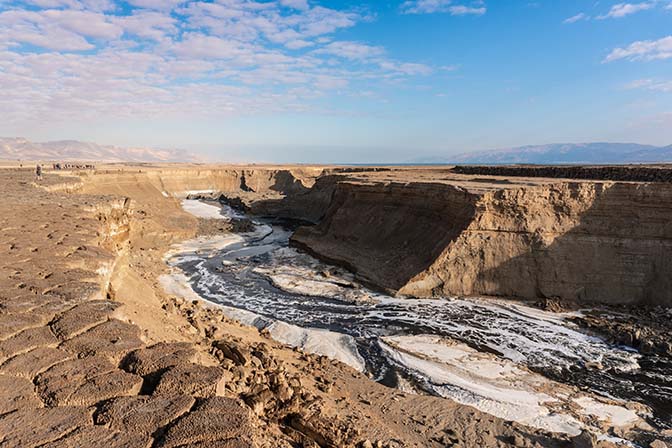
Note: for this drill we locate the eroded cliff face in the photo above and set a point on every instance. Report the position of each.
(589, 242)
(114, 216)
(308, 204)
(451, 235)
(179, 182)
(387, 233)
(583, 241)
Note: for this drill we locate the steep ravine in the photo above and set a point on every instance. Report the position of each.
(455, 235)
(414, 225)
(149, 221)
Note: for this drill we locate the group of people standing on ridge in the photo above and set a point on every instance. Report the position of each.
(61, 166)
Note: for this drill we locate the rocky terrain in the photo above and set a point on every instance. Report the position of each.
(93, 352)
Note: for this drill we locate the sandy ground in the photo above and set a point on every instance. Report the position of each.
(93, 351)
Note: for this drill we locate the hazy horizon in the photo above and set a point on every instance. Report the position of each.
(290, 80)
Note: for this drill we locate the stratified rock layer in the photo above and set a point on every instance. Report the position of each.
(581, 241)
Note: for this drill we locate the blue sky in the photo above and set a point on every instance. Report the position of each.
(336, 81)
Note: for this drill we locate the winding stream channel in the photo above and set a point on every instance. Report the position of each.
(503, 357)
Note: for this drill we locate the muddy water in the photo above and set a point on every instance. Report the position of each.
(402, 342)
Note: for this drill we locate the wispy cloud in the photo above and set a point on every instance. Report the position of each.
(351, 50)
(644, 50)
(577, 18)
(651, 84)
(443, 6)
(621, 10)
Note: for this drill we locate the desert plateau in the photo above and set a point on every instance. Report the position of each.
(284, 306)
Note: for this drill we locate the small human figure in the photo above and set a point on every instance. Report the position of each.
(38, 172)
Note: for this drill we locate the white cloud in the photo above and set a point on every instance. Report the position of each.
(89, 24)
(442, 6)
(247, 20)
(163, 5)
(89, 59)
(296, 4)
(153, 25)
(90, 5)
(56, 28)
(461, 10)
(625, 9)
(621, 10)
(645, 50)
(406, 68)
(318, 21)
(351, 50)
(298, 44)
(577, 18)
(650, 84)
(201, 46)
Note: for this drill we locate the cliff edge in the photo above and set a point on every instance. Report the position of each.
(471, 235)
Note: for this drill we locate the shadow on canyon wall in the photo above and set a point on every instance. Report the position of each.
(388, 233)
(288, 184)
(299, 203)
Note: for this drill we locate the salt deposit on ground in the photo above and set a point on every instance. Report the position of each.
(616, 415)
(334, 345)
(500, 387)
(203, 245)
(177, 284)
(321, 342)
(202, 210)
(305, 281)
(187, 193)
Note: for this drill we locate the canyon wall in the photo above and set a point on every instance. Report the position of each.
(178, 182)
(583, 241)
(308, 204)
(446, 234)
(387, 233)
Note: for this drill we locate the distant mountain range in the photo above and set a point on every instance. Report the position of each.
(17, 148)
(563, 153)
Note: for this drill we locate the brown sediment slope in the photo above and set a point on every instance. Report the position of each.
(585, 241)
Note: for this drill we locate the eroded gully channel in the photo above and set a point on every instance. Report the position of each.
(505, 358)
